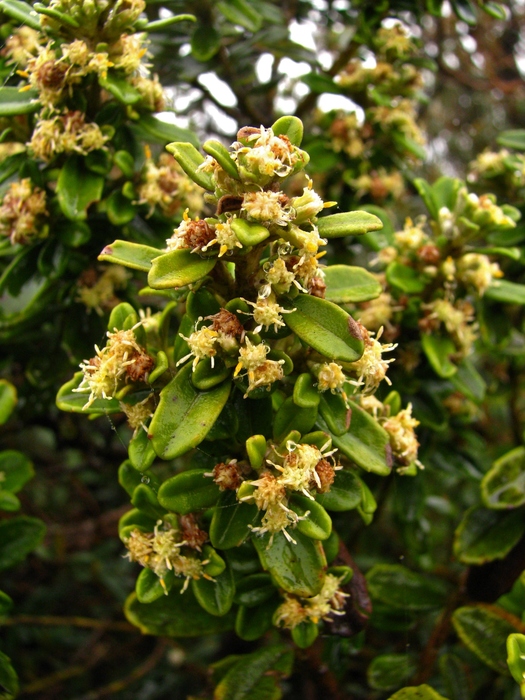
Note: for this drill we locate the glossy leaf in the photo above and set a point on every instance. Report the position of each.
(252, 623)
(291, 127)
(13, 102)
(249, 234)
(231, 520)
(242, 13)
(405, 278)
(516, 658)
(485, 534)
(148, 586)
(325, 327)
(178, 268)
(347, 284)
(190, 159)
(8, 678)
(389, 671)
(513, 138)
(221, 154)
(175, 615)
(344, 493)
(420, 692)
(8, 399)
(352, 223)
(507, 292)
(255, 676)
(253, 590)
(184, 415)
(503, 486)
(297, 568)
(335, 413)
(18, 537)
(216, 597)
(70, 400)
(120, 87)
(292, 417)
(399, 587)
(16, 470)
(162, 131)
(438, 350)
(316, 524)
(484, 630)
(78, 188)
(366, 443)
(188, 491)
(205, 42)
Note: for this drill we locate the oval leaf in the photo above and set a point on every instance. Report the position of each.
(346, 283)
(188, 491)
(78, 188)
(352, 223)
(485, 534)
(178, 268)
(184, 415)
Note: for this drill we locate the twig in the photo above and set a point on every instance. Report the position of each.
(116, 686)
(73, 621)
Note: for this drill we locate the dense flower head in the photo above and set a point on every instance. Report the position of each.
(160, 551)
(68, 133)
(97, 292)
(328, 602)
(262, 156)
(23, 212)
(371, 368)
(165, 185)
(119, 361)
(403, 439)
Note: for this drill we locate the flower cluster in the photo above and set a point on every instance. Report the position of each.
(160, 551)
(97, 292)
(67, 133)
(328, 602)
(303, 468)
(120, 361)
(23, 212)
(166, 186)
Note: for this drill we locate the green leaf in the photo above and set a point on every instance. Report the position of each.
(8, 501)
(455, 677)
(205, 42)
(325, 327)
(319, 83)
(352, 223)
(513, 138)
(145, 499)
(344, 494)
(335, 412)
(78, 188)
(119, 209)
(159, 24)
(465, 10)
(503, 486)
(253, 590)
(216, 597)
(242, 13)
(18, 537)
(254, 676)
(189, 491)
(133, 255)
(252, 623)
(128, 477)
(484, 630)
(149, 588)
(494, 9)
(21, 11)
(205, 376)
(120, 87)
(445, 191)
(15, 470)
(135, 520)
(221, 154)
(508, 292)
(70, 400)
(178, 268)
(184, 415)
(485, 534)
(249, 234)
(366, 442)
(13, 102)
(296, 568)
(427, 195)
(8, 399)
(291, 127)
(292, 417)
(348, 284)
(6, 603)
(118, 318)
(305, 394)
(389, 671)
(153, 129)
(469, 381)
(438, 350)
(316, 524)
(231, 520)
(420, 692)
(516, 658)
(8, 677)
(189, 159)
(175, 615)
(398, 587)
(405, 278)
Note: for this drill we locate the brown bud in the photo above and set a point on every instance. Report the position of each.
(227, 476)
(140, 367)
(52, 75)
(429, 254)
(198, 234)
(191, 532)
(226, 322)
(317, 287)
(229, 202)
(247, 132)
(326, 474)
